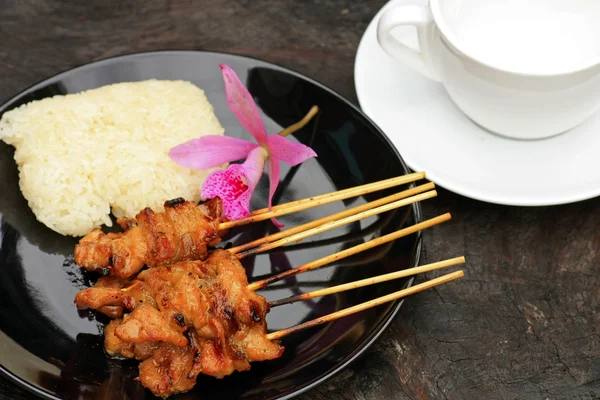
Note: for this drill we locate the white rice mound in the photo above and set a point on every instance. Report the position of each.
(82, 154)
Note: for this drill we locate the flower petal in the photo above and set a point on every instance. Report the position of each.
(229, 185)
(242, 105)
(273, 183)
(236, 184)
(287, 151)
(255, 165)
(210, 151)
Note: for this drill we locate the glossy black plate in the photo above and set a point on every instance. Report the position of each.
(55, 351)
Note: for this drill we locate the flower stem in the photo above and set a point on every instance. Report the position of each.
(300, 124)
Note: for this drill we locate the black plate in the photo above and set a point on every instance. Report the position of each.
(55, 351)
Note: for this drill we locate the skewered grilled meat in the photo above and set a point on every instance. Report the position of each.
(187, 318)
(111, 292)
(112, 295)
(109, 286)
(182, 232)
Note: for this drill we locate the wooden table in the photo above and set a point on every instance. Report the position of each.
(522, 324)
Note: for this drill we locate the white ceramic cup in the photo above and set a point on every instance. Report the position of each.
(525, 69)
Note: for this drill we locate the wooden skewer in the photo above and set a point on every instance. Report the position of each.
(296, 285)
(299, 205)
(318, 222)
(352, 192)
(366, 305)
(351, 251)
(337, 223)
(355, 235)
(369, 281)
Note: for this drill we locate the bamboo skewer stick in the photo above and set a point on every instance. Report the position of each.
(318, 222)
(366, 305)
(353, 235)
(296, 285)
(315, 201)
(333, 223)
(351, 251)
(351, 192)
(369, 281)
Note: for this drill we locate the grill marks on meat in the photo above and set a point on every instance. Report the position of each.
(202, 319)
(173, 369)
(170, 370)
(182, 232)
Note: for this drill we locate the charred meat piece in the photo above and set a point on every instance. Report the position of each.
(170, 370)
(111, 295)
(147, 324)
(212, 298)
(182, 232)
(173, 369)
(116, 347)
(114, 310)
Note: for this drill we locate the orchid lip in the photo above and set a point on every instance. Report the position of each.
(235, 185)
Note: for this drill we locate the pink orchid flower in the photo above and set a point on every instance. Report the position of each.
(236, 184)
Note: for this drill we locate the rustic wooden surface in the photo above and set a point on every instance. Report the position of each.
(522, 324)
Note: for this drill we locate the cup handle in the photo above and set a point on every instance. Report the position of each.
(420, 18)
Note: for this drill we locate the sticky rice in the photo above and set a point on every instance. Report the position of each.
(82, 155)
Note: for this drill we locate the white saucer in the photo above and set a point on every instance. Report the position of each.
(432, 135)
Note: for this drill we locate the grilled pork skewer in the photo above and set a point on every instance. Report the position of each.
(184, 231)
(201, 315)
(187, 318)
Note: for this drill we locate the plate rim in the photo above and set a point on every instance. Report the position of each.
(457, 188)
(416, 207)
